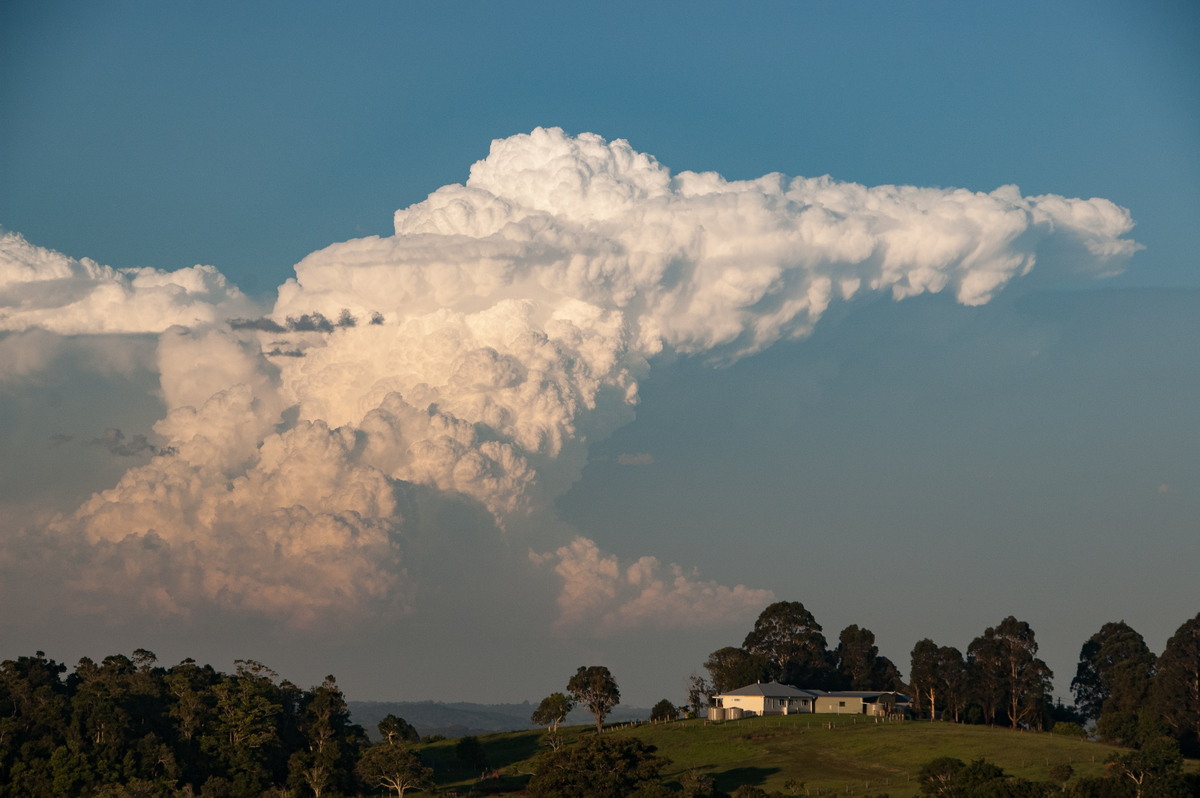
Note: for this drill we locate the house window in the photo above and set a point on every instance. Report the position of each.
(841, 703)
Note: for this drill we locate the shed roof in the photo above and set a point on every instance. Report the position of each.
(868, 694)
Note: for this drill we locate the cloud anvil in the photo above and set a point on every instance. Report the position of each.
(475, 355)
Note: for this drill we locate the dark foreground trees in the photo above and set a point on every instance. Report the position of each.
(597, 767)
(949, 777)
(126, 724)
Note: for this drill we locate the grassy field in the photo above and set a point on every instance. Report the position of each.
(823, 753)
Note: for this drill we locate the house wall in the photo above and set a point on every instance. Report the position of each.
(839, 705)
(761, 705)
(750, 704)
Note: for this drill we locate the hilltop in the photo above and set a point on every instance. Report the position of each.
(797, 754)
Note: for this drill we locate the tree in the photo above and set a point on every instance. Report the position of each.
(664, 710)
(952, 673)
(1155, 769)
(698, 693)
(593, 687)
(855, 655)
(1176, 691)
(1115, 672)
(1027, 677)
(597, 767)
(732, 667)
(885, 675)
(952, 778)
(470, 752)
(395, 729)
(1061, 773)
(790, 638)
(1006, 673)
(939, 678)
(926, 681)
(985, 673)
(331, 743)
(248, 709)
(393, 767)
(552, 711)
(936, 776)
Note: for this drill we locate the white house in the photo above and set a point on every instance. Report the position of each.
(771, 698)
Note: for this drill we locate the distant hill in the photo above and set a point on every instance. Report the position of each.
(459, 719)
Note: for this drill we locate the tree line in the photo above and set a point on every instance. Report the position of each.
(127, 728)
(1125, 689)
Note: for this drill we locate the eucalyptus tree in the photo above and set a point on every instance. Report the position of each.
(790, 639)
(594, 688)
(924, 676)
(395, 729)
(1028, 678)
(732, 667)
(1007, 674)
(394, 767)
(1113, 680)
(550, 713)
(1176, 692)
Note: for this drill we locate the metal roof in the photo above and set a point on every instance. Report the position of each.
(774, 690)
(868, 694)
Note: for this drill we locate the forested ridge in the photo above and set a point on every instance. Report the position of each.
(127, 726)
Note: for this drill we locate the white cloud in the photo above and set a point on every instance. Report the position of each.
(518, 313)
(43, 289)
(602, 594)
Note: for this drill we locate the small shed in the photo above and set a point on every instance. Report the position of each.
(862, 702)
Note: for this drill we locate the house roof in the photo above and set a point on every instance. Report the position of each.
(868, 694)
(774, 690)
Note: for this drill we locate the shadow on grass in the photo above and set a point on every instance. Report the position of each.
(501, 750)
(730, 780)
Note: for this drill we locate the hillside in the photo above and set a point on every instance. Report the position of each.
(801, 754)
(458, 719)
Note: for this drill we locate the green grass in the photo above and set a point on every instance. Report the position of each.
(855, 756)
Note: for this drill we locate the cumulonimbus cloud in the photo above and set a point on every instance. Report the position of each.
(511, 320)
(46, 290)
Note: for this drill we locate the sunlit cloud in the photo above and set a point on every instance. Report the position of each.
(477, 353)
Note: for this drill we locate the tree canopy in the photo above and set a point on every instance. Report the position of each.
(790, 639)
(593, 687)
(597, 767)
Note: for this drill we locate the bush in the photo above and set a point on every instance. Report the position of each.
(1069, 728)
(597, 767)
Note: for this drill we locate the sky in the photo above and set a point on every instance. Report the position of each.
(449, 347)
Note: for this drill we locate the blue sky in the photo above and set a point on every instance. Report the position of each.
(1035, 455)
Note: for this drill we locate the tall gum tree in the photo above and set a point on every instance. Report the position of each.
(1115, 672)
(790, 638)
(593, 687)
(1177, 686)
